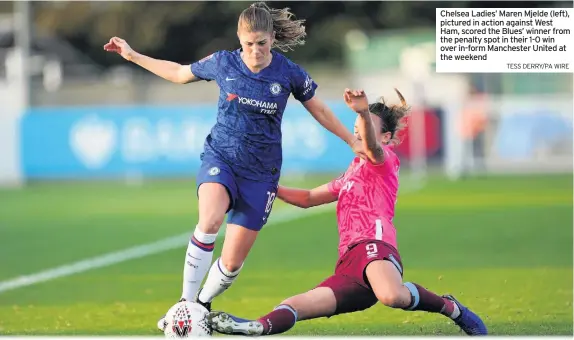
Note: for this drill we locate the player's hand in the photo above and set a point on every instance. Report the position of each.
(357, 101)
(121, 47)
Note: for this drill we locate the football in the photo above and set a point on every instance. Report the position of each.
(186, 319)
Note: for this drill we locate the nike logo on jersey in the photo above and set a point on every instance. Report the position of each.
(229, 79)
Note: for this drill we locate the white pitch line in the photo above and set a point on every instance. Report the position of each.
(136, 252)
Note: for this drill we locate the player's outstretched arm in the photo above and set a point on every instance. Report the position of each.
(174, 72)
(358, 102)
(370, 144)
(304, 198)
(325, 116)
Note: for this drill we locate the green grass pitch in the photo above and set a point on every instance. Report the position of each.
(502, 245)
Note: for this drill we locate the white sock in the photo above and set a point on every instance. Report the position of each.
(218, 280)
(456, 312)
(197, 260)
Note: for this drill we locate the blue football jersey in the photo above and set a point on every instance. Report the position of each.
(247, 134)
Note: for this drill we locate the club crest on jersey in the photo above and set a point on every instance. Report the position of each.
(275, 88)
(214, 171)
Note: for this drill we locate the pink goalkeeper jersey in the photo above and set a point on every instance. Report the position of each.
(367, 194)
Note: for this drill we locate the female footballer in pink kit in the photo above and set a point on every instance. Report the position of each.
(369, 268)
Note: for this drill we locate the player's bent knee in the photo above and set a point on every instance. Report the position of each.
(211, 224)
(232, 265)
(290, 301)
(213, 205)
(295, 303)
(390, 298)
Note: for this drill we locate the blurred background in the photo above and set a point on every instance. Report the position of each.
(98, 115)
(94, 148)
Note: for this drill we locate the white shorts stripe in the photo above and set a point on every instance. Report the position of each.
(379, 230)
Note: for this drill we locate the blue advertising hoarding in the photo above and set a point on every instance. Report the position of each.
(164, 141)
(107, 142)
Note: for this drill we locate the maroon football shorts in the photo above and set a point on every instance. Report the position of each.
(350, 284)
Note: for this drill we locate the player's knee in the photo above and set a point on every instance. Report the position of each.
(231, 264)
(213, 205)
(211, 223)
(292, 301)
(390, 298)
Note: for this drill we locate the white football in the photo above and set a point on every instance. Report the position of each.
(186, 319)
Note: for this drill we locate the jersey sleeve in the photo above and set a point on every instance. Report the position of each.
(303, 85)
(335, 185)
(391, 163)
(207, 67)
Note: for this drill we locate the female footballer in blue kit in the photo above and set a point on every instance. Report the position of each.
(242, 154)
